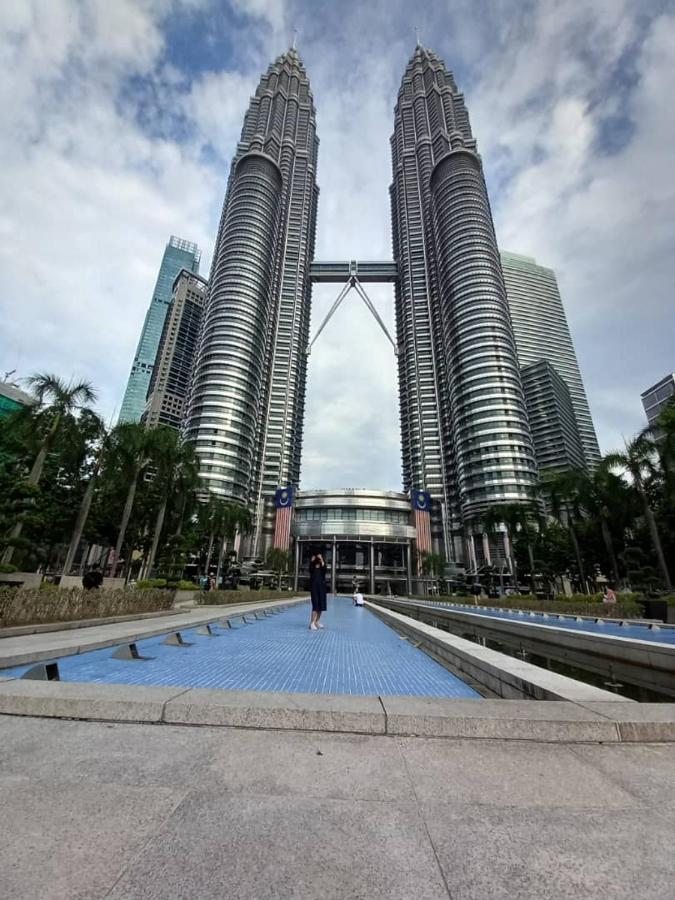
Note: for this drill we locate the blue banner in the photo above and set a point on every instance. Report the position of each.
(283, 497)
(421, 501)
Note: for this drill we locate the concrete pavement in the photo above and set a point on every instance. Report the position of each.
(95, 810)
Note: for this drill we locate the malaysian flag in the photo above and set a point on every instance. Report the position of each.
(421, 503)
(283, 501)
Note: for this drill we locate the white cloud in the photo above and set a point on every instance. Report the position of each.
(96, 175)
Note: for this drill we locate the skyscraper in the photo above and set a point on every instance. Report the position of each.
(248, 393)
(172, 370)
(656, 398)
(555, 433)
(178, 254)
(465, 432)
(541, 332)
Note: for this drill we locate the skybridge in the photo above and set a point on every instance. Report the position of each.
(353, 274)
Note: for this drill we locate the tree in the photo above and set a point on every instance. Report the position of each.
(515, 519)
(56, 401)
(85, 505)
(565, 492)
(638, 460)
(279, 561)
(129, 455)
(233, 518)
(175, 475)
(431, 564)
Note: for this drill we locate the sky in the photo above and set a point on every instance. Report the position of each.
(120, 119)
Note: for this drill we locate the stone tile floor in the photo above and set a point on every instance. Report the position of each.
(355, 653)
(122, 811)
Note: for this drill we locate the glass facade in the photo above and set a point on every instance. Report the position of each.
(542, 333)
(178, 254)
(248, 392)
(461, 394)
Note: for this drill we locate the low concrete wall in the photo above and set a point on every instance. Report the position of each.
(504, 676)
(25, 579)
(649, 664)
(75, 581)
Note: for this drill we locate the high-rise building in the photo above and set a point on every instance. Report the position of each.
(171, 373)
(656, 398)
(541, 331)
(555, 433)
(248, 392)
(465, 433)
(178, 254)
(12, 398)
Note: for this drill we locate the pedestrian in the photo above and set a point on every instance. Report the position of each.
(93, 578)
(358, 598)
(608, 595)
(317, 587)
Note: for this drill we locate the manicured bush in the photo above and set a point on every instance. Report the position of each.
(7, 568)
(147, 584)
(33, 607)
(218, 598)
(626, 607)
(186, 586)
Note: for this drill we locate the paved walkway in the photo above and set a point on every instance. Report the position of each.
(355, 653)
(94, 810)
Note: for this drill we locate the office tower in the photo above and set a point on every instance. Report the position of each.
(178, 254)
(555, 433)
(12, 398)
(541, 332)
(171, 373)
(656, 398)
(248, 393)
(465, 432)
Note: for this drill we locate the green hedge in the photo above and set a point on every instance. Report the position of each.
(34, 607)
(626, 607)
(218, 598)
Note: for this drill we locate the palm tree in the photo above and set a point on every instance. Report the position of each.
(638, 461)
(431, 564)
(175, 467)
(85, 505)
(565, 490)
(279, 561)
(514, 518)
(130, 455)
(233, 518)
(56, 400)
(600, 491)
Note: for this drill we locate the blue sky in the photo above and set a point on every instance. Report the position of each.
(120, 118)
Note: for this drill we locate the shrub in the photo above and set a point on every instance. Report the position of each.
(33, 607)
(48, 586)
(7, 568)
(626, 607)
(186, 586)
(148, 584)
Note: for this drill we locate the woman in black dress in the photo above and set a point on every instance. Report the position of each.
(317, 587)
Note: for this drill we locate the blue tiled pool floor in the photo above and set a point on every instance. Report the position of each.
(355, 653)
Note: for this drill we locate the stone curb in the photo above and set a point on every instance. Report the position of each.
(73, 646)
(506, 676)
(547, 721)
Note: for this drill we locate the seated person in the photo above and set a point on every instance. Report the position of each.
(357, 599)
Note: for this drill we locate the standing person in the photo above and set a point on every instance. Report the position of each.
(317, 587)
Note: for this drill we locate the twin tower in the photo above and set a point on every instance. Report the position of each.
(464, 428)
